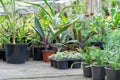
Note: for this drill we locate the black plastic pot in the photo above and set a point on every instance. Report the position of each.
(98, 73)
(16, 53)
(28, 53)
(87, 70)
(98, 44)
(74, 63)
(62, 64)
(112, 74)
(37, 53)
(53, 63)
(2, 54)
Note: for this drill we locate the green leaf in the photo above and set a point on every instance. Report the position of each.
(73, 41)
(51, 9)
(2, 19)
(38, 5)
(65, 27)
(39, 28)
(62, 11)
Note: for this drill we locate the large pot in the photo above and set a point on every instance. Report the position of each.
(16, 53)
(112, 74)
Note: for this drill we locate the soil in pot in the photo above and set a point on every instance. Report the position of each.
(112, 74)
(16, 53)
(37, 53)
(98, 73)
(46, 54)
(87, 70)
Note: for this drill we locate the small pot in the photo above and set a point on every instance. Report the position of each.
(62, 64)
(46, 54)
(112, 74)
(98, 73)
(37, 53)
(53, 63)
(87, 70)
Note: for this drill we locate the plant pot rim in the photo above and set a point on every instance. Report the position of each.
(108, 68)
(86, 63)
(60, 59)
(16, 44)
(98, 66)
(48, 50)
(38, 46)
(2, 49)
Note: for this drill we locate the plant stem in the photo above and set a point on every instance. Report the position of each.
(13, 21)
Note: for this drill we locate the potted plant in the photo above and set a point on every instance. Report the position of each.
(113, 68)
(24, 31)
(87, 61)
(45, 40)
(15, 53)
(98, 66)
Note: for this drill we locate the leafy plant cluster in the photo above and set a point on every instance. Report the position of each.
(66, 55)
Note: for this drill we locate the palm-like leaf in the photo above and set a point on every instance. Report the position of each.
(52, 10)
(39, 28)
(38, 5)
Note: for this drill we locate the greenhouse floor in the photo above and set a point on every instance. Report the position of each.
(37, 70)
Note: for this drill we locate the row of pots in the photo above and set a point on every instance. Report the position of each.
(100, 73)
(19, 53)
(39, 53)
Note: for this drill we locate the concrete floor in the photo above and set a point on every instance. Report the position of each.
(37, 70)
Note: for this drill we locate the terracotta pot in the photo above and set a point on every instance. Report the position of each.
(46, 54)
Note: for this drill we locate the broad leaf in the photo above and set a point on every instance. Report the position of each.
(39, 28)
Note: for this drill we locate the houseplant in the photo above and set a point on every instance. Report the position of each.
(113, 69)
(87, 61)
(98, 67)
(15, 53)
